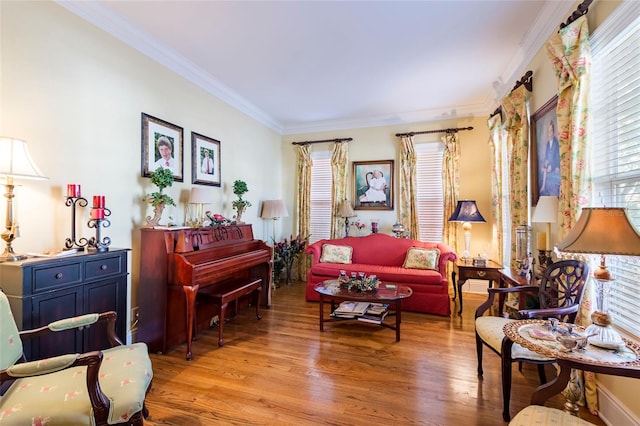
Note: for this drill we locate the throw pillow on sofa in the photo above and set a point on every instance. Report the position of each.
(336, 254)
(422, 258)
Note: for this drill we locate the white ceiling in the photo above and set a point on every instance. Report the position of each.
(306, 66)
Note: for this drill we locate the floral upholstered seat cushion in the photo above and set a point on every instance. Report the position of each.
(535, 415)
(61, 398)
(490, 331)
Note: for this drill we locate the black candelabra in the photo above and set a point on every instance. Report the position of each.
(71, 242)
(98, 221)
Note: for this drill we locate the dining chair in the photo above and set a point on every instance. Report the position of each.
(559, 294)
(95, 388)
(538, 414)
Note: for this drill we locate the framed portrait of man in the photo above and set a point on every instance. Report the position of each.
(162, 146)
(545, 152)
(373, 185)
(205, 160)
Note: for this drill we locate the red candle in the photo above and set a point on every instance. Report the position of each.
(98, 201)
(97, 213)
(73, 190)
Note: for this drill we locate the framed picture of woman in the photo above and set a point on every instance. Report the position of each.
(373, 185)
(545, 152)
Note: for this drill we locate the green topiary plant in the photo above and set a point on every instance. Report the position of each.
(240, 205)
(162, 178)
(240, 188)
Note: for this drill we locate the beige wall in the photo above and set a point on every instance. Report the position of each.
(76, 95)
(380, 143)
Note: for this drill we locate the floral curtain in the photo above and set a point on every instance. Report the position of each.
(570, 53)
(304, 204)
(496, 132)
(515, 107)
(450, 187)
(407, 209)
(339, 167)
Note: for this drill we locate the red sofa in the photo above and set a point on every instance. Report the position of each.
(384, 256)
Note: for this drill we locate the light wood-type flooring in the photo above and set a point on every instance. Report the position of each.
(281, 370)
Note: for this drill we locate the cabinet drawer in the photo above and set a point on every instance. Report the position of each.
(104, 267)
(45, 279)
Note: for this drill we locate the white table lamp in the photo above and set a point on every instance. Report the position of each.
(466, 212)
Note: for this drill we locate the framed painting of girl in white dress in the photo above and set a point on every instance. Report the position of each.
(373, 185)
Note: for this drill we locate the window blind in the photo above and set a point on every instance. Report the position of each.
(430, 198)
(320, 209)
(615, 156)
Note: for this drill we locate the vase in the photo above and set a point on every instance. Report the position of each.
(288, 268)
(238, 216)
(152, 222)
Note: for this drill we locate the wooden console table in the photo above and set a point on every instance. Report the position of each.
(466, 271)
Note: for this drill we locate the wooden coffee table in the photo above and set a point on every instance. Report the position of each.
(389, 294)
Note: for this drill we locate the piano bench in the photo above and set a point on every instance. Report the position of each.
(230, 290)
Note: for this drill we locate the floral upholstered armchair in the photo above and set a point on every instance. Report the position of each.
(95, 388)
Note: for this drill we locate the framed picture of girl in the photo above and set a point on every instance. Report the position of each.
(373, 185)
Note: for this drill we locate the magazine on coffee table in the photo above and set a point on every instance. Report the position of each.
(375, 313)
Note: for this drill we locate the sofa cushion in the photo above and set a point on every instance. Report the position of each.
(336, 254)
(422, 258)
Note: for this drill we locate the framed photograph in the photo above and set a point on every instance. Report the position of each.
(545, 152)
(205, 160)
(373, 185)
(162, 146)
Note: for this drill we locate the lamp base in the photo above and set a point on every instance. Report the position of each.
(8, 255)
(605, 336)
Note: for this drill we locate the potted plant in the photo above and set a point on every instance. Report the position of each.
(162, 178)
(240, 205)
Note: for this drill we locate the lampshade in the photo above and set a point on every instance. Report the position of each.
(546, 210)
(466, 211)
(198, 195)
(602, 230)
(15, 160)
(346, 210)
(273, 209)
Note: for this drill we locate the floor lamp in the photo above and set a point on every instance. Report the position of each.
(15, 162)
(273, 210)
(466, 212)
(605, 230)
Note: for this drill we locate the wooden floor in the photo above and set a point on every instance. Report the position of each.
(283, 370)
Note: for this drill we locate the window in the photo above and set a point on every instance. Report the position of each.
(616, 144)
(321, 178)
(430, 198)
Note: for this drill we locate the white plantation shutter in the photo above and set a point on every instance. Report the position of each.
(430, 198)
(616, 148)
(321, 178)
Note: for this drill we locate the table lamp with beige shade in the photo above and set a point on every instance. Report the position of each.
(602, 230)
(15, 163)
(546, 212)
(346, 211)
(198, 197)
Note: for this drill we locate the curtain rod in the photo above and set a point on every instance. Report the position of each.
(527, 80)
(457, 129)
(322, 141)
(582, 9)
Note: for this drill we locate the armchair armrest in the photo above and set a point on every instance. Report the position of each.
(79, 322)
(502, 290)
(548, 312)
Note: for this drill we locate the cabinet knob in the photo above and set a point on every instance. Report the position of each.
(103, 267)
(59, 276)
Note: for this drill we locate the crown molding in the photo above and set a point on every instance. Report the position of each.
(103, 18)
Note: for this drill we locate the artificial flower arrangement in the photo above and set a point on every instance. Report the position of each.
(216, 219)
(359, 226)
(360, 283)
(287, 251)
